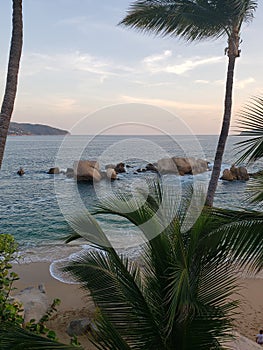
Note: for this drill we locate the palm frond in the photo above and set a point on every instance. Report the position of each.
(116, 288)
(254, 190)
(190, 20)
(250, 124)
(16, 338)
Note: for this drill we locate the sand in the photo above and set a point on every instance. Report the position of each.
(75, 303)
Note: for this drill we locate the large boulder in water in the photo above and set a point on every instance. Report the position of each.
(111, 174)
(235, 173)
(86, 170)
(182, 166)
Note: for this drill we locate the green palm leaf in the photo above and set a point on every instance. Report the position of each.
(190, 20)
(251, 125)
(16, 338)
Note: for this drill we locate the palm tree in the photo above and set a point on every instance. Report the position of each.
(180, 296)
(199, 20)
(12, 75)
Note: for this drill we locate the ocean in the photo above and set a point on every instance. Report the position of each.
(33, 207)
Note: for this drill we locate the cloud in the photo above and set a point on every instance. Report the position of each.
(157, 58)
(34, 63)
(169, 103)
(241, 84)
(200, 81)
(164, 63)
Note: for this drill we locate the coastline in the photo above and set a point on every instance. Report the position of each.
(76, 304)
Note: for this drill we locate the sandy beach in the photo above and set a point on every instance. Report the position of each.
(75, 303)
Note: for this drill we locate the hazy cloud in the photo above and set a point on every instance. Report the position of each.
(164, 63)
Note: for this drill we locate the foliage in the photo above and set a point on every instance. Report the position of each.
(12, 335)
(183, 294)
(250, 124)
(17, 338)
(10, 310)
(40, 326)
(190, 20)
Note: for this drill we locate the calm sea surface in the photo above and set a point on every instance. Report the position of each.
(29, 208)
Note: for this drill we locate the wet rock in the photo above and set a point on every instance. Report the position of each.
(21, 172)
(151, 167)
(120, 168)
(70, 172)
(86, 170)
(111, 174)
(235, 174)
(53, 171)
(182, 166)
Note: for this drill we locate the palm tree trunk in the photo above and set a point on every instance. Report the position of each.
(12, 74)
(224, 132)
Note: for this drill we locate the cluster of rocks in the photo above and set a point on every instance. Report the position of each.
(235, 173)
(88, 170)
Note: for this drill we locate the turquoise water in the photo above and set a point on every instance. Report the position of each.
(29, 208)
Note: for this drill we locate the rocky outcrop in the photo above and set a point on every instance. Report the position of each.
(54, 171)
(34, 301)
(151, 167)
(235, 173)
(182, 166)
(111, 174)
(21, 172)
(120, 168)
(70, 172)
(86, 170)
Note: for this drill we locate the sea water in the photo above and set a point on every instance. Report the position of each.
(30, 205)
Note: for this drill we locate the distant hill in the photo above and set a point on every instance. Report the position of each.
(20, 129)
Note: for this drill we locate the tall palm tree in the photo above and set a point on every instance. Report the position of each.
(199, 20)
(12, 75)
(182, 296)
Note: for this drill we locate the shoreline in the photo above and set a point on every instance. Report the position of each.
(76, 303)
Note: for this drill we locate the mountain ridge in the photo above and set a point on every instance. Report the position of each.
(20, 129)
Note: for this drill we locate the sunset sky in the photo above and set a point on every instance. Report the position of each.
(77, 61)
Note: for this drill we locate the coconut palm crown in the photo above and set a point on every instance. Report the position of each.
(194, 20)
(180, 295)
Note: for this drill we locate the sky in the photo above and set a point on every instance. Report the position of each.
(82, 72)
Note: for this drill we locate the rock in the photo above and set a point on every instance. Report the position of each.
(111, 174)
(35, 302)
(242, 174)
(228, 175)
(120, 168)
(53, 171)
(79, 327)
(151, 167)
(70, 172)
(21, 172)
(235, 173)
(182, 166)
(85, 170)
